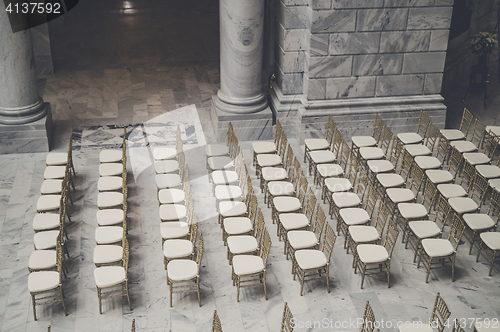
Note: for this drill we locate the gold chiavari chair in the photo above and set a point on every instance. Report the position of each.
(287, 320)
(50, 221)
(366, 141)
(115, 167)
(343, 200)
(336, 185)
(229, 209)
(263, 147)
(112, 183)
(324, 171)
(389, 180)
(246, 244)
(457, 327)
(52, 202)
(429, 162)
(386, 166)
(313, 264)
(368, 319)
(108, 255)
(219, 150)
(114, 155)
(113, 217)
(180, 248)
(172, 180)
(327, 156)
(183, 275)
(439, 318)
(232, 192)
(62, 158)
(430, 142)
(111, 199)
(47, 260)
(45, 287)
(250, 270)
(461, 133)
(449, 190)
(477, 223)
(464, 146)
(272, 160)
(174, 195)
(226, 176)
(376, 153)
(396, 196)
(289, 204)
(170, 166)
(297, 221)
(48, 240)
(376, 258)
(56, 186)
(133, 325)
(485, 157)
(425, 229)
(317, 144)
(489, 247)
(471, 204)
(110, 234)
(276, 173)
(283, 188)
(216, 325)
(243, 225)
(176, 212)
(439, 251)
(215, 163)
(424, 121)
(442, 176)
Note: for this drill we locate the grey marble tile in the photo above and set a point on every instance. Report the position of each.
(354, 43)
(350, 87)
(382, 19)
(330, 66)
(429, 18)
(383, 64)
(324, 21)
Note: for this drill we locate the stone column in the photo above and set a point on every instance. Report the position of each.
(20, 103)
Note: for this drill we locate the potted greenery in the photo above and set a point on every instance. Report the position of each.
(482, 44)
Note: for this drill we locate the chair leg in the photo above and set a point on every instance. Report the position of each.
(328, 278)
(34, 307)
(128, 297)
(492, 262)
(170, 294)
(62, 300)
(198, 290)
(237, 288)
(99, 296)
(265, 288)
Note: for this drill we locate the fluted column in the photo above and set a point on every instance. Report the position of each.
(241, 54)
(20, 102)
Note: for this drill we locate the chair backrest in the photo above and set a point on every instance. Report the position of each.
(455, 162)
(302, 190)
(396, 149)
(378, 127)
(382, 217)
(432, 136)
(319, 221)
(494, 207)
(443, 147)
(468, 174)
(249, 188)
(243, 176)
(252, 211)
(234, 148)
(430, 191)
(230, 132)
(266, 247)
(406, 164)
(466, 122)
(277, 132)
(287, 320)
(479, 188)
(287, 163)
(199, 252)
(282, 146)
(391, 235)
(491, 145)
(216, 326)
(362, 184)
(330, 130)
(424, 121)
(328, 241)
(194, 230)
(352, 170)
(456, 231)
(125, 258)
(442, 211)
(310, 204)
(478, 133)
(296, 170)
(345, 152)
(440, 313)
(368, 319)
(417, 177)
(337, 143)
(457, 327)
(260, 226)
(386, 139)
(371, 199)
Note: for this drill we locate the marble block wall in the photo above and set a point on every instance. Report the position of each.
(41, 49)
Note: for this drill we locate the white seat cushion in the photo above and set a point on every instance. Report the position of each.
(363, 234)
(329, 170)
(488, 171)
(286, 204)
(56, 159)
(495, 183)
(108, 234)
(182, 269)
(427, 162)
(109, 217)
(237, 225)
(263, 147)
(322, 157)
(369, 153)
(172, 211)
(390, 180)
(372, 253)
(224, 192)
(109, 199)
(109, 183)
(380, 166)
(338, 184)
(174, 230)
(464, 146)
(110, 169)
(291, 221)
(398, 195)
(449, 190)
(164, 153)
(410, 138)
(476, 158)
(438, 176)
(310, 259)
(43, 281)
(247, 264)
(418, 150)
(45, 240)
(302, 239)
(48, 202)
(361, 141)
(242, 244)
(491, 239)
(463, 204)
(54, 172)
(424, 229)
(266, 160)
(110, 156)
(345, 200)
(216, 150)
(219, 163)
(495, 130)
(478, 221)
(164, 181)
(171, 196)
(51, 187)
(166, 166)
(107, 276)
(437, 247)
(43, 221)
(452, 134)
(224, 177)
(105, 254)
(412, 210)
(232, 208)
(274, 173)
(280, 188)
(316, 144)
(354, 216)
(177, 248)
(42, 260)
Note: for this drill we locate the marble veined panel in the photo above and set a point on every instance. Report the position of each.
(399, 85)
(320, 4)
(344, 4)
(405, 41)
(439, 40)
(318, 44)
(350, 87)
(354, 43)
(382, 19)
(433, 83)
(429, 18)
(377, 64)
(408, 3)
(330, 66)
(315, 89)
(333, 21)
(429, 62)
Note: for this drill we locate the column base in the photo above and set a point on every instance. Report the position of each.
(247, 127)
(27, 138)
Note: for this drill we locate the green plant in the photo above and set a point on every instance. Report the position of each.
(483, 43)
